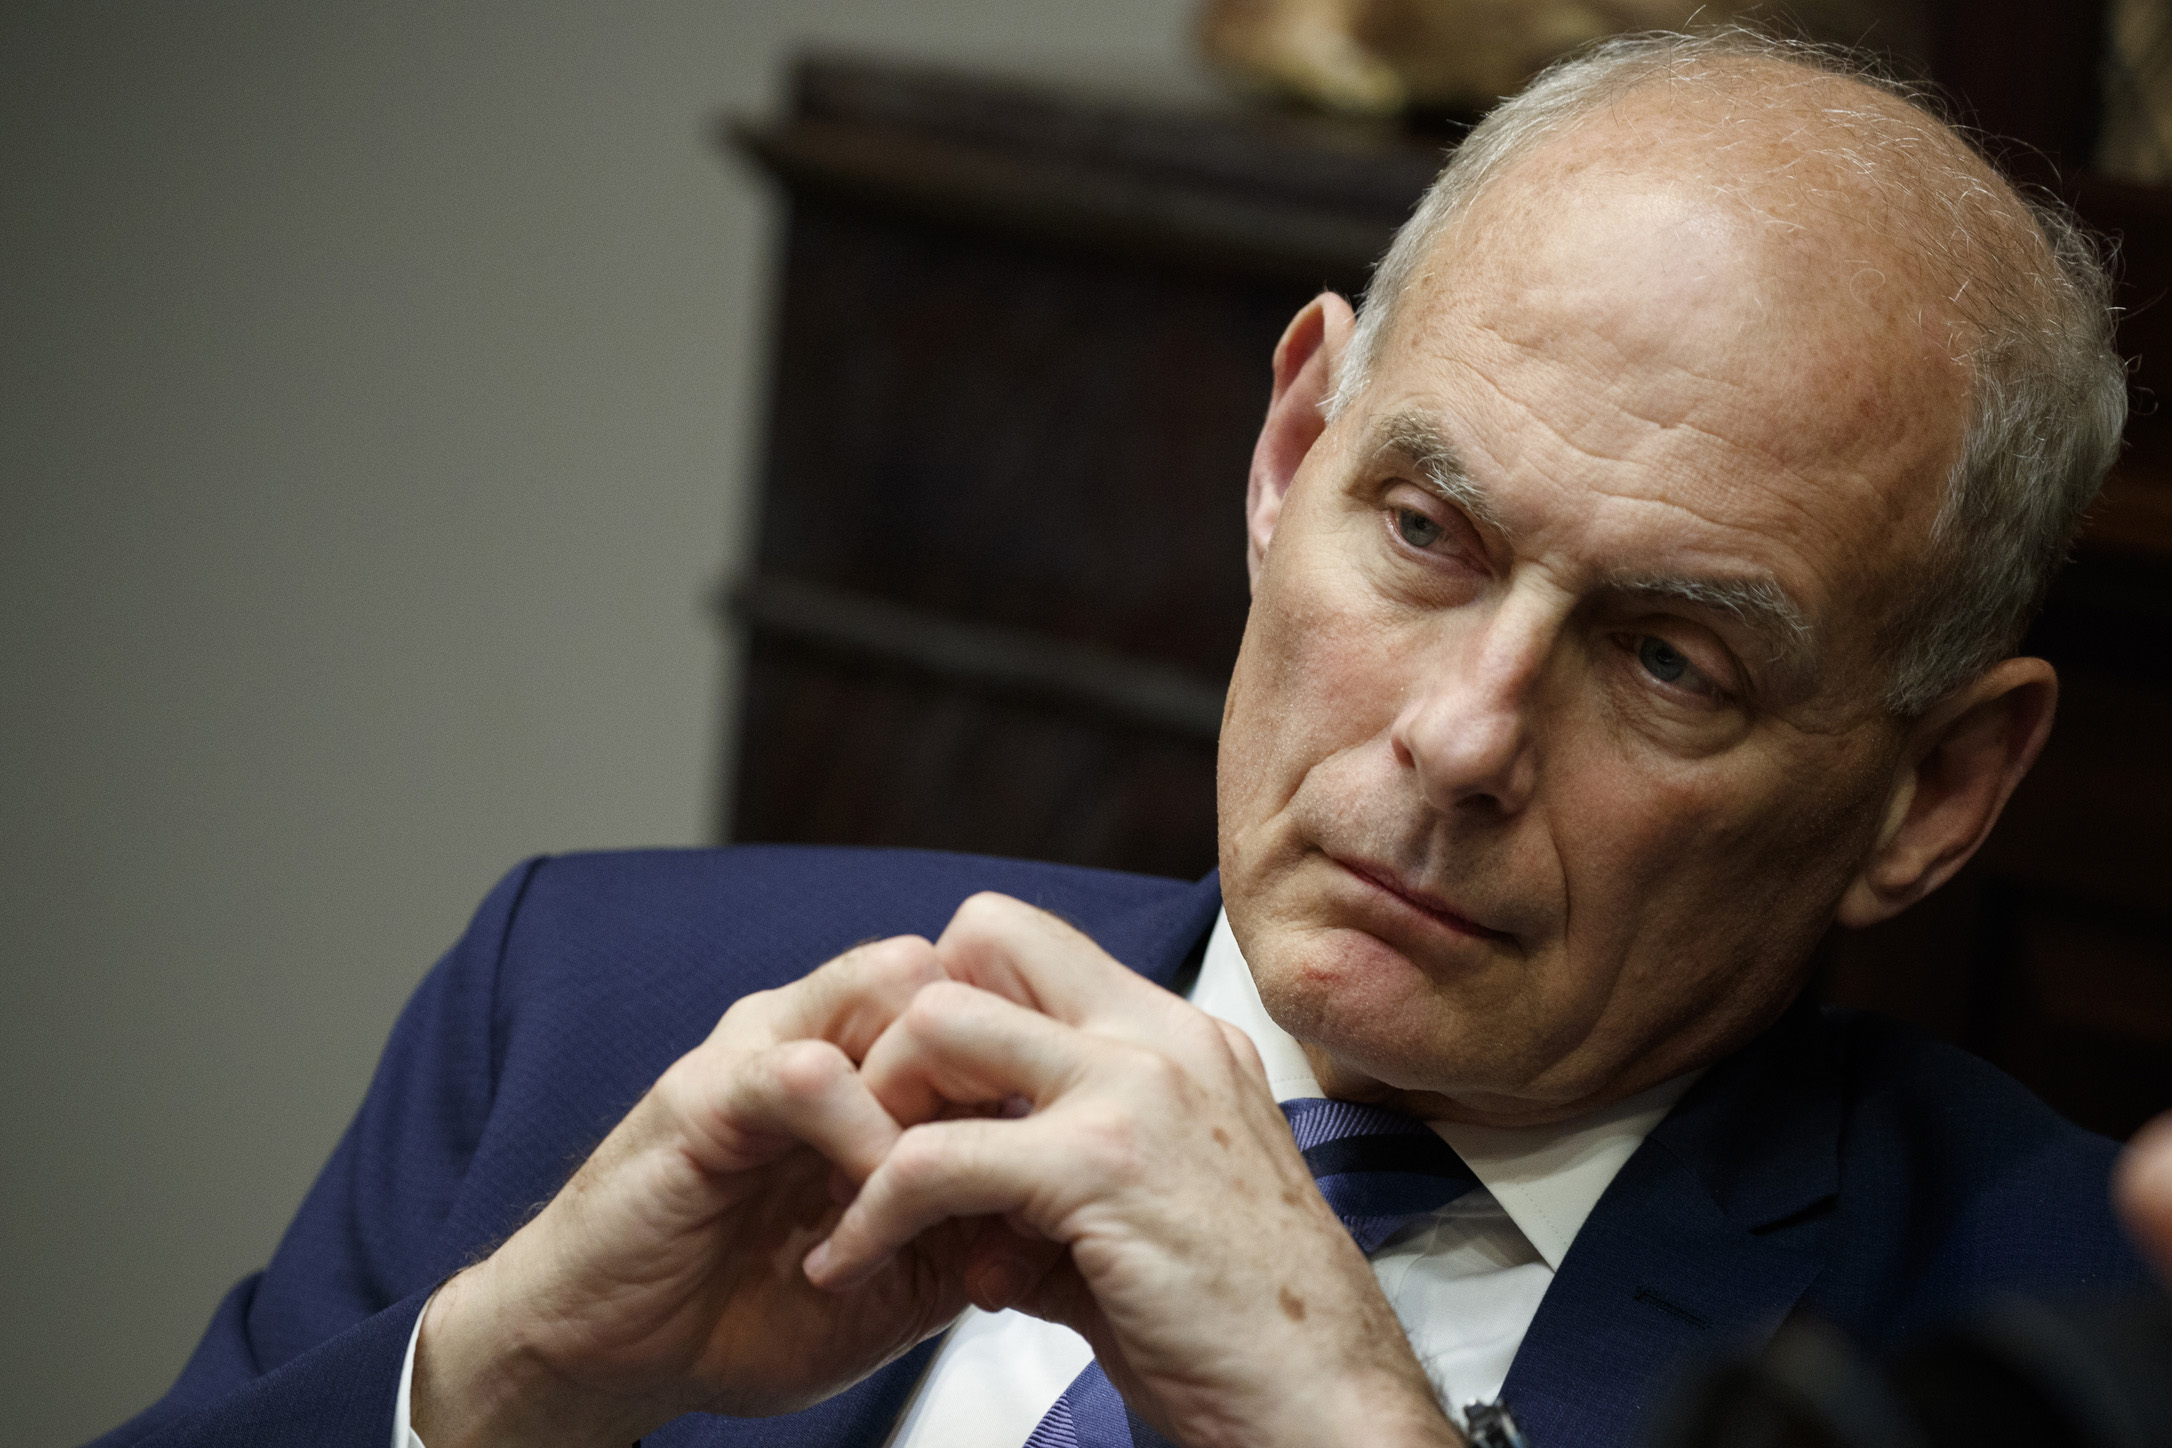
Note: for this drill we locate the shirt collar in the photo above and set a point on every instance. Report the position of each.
(1547, 1178)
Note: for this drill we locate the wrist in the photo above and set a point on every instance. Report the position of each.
(480, 1381)
(1381, 1396)
(1396, 1411)
(1329, 1404)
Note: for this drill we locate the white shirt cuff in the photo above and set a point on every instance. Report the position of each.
(403, 1436)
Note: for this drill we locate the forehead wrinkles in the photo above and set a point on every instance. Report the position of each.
(1828, 165)
(1677, 310)
(1633, 326)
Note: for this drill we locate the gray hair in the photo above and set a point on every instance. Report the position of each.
(2032, 315)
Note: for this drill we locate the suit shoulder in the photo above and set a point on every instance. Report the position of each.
(1903, 1081)
(801, 880)
(1972, 1183)
(753, 916)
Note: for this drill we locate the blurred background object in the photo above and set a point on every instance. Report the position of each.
(2084, 1372)
(2136, 144)
(1456, 57)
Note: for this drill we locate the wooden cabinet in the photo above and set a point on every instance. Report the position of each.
(1022, 351)
(1023, 343)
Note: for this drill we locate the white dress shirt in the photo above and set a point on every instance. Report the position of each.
(1465, 1280)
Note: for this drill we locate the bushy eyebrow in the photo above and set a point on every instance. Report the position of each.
(1759, 604)
(1413, 437)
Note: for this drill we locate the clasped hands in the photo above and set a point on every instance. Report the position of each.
(1006, 1117)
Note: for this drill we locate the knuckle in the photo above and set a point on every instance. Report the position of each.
(675, 1092)
(1229, 1047)
(747, 1011)
(692, 1100)
(909, 957)
(1161, 1075)
(860, 951)
(804, 1070)
(938, 1005)
(986, 909)
(1241, 1047)
(995, 913)
(897, 955)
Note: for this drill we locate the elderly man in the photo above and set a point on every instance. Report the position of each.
(1636, 586)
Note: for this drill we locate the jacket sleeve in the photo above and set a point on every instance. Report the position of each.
(309, 1350)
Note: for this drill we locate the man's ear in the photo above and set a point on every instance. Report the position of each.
(1959, 763)
(1306, 360)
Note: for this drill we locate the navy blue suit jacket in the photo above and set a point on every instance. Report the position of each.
(1837, 1164)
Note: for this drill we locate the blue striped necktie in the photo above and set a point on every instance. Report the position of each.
(1377, 1168)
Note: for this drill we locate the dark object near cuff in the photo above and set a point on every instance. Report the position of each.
(1491, 1425)
(2090, 1373)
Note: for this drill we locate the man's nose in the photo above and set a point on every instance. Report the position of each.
(1467, 731)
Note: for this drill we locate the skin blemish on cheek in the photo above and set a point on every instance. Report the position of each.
(1221, 1138)
(1293, 1306)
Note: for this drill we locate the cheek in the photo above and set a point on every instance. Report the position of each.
(1725, 868)
(1315, 678)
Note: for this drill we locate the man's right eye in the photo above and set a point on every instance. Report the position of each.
(1416, 529)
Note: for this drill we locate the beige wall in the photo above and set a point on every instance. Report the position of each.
(376, 389)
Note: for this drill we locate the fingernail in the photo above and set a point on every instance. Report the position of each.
(817, 1262)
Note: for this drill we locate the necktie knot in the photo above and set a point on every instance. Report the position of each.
(1377, 1167)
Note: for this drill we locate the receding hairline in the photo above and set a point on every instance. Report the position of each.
(1798, 135)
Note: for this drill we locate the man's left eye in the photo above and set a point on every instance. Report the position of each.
(1662, 660)
(1416, 529)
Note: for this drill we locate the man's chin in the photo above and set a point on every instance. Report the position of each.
(1440, 1038)
(1367, 1004)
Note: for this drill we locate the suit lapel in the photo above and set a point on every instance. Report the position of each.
(1674, 1263)
(1164, 941)
(1657, 1276)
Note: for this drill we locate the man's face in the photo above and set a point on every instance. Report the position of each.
(1555, 735)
